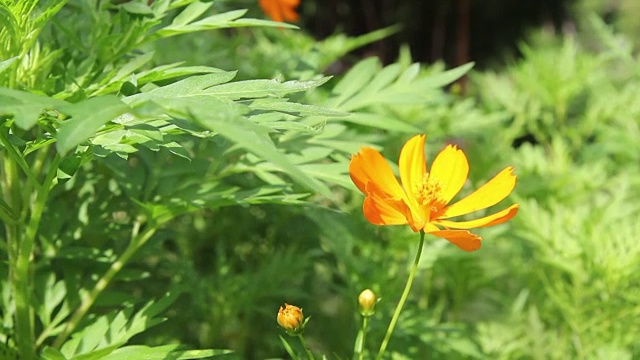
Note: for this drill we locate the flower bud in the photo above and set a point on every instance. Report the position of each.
(367, 301)
(290, 318)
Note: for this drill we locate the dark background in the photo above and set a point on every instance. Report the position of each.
(455, 31)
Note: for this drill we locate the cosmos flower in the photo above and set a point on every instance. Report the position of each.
(290, 318)
(422, 201)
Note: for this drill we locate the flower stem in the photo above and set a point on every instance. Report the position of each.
(306, 348)
(403, 299)
(360, 340)
(138, 239)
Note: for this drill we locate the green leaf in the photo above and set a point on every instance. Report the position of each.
(295, 108)
(25, 107)
(100, 353)
(190, 13)
(354, 80)
(109, 332)
(49, 353)
(53, 293)
(262, 88)
(228, 19)
(136, 7)
(171, 71)
(4, 64)
(174, 352)
(225, 120)
(86, 118)
(381, 122)
(447, 77)
(190, 86)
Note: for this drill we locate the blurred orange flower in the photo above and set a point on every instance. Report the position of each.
(422, 201)
(290, 318)
(280, 10)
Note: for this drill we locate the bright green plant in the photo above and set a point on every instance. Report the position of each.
(101, 152)
(571, 250)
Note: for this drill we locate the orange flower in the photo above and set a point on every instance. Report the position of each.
(280, 10)
(290, 318)
(422, 201)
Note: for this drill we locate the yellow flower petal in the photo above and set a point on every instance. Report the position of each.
(487, 195)
(369, 166)
(460, 238)
(412, 164)
(451, 168)
(493, 219)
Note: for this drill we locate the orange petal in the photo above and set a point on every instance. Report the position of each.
(382, 212)
(412, 164)
(494, 219)
(380, 209)
(487, 195)
(271, 8)
(369, 166)
(460, 238)
(290, 14)
(451, 168)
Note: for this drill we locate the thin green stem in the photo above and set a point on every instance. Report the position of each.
(137, 240)
(403, 299)
(361, 339)
(306, 348)
(16, 156)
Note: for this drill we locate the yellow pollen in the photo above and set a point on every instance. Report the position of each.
(429, 194)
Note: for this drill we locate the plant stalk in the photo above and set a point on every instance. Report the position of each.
(361, 339)
(403, 299)
(137, 240)
(306, 347)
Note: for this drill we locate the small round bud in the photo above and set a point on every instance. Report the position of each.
(290, 318)
(367, 301)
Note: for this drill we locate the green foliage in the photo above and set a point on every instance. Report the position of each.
(132, 169)
(572, 249)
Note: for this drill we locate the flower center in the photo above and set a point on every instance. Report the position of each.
(429, 195)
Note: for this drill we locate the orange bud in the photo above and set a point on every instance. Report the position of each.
(367, 301)
(291, 319)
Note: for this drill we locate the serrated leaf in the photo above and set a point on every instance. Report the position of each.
(255, 139)
(262, 88)
(172, 71)
(194, 85)
(86, 118)
(108, 332)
